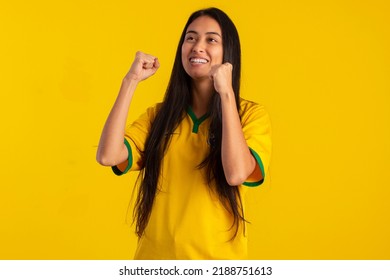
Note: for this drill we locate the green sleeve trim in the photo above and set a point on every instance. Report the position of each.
(116, 170)
(258, 159)
(197, 122)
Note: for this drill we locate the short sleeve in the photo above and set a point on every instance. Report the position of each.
(256, 127)
(135, 138)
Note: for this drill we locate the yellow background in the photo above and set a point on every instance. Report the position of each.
(321, 68)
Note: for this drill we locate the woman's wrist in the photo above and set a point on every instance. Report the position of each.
(129, 85)
(130, 79)
(227, 97)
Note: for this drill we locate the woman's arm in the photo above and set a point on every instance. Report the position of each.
(237, 160)
(112, 150)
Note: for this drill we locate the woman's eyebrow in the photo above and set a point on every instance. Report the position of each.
(208, 33)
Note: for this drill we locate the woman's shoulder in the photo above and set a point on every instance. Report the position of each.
(250, 108)
(152, 110)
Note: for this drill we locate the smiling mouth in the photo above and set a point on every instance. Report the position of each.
(198, 60)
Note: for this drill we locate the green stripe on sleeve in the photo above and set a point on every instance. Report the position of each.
(116, 170)
(260, 163)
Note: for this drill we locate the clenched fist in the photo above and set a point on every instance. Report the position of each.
(221, 75)
(144, 66)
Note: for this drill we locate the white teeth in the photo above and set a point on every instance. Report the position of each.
(198, 60)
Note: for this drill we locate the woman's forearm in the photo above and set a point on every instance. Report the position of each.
(112, 150)
(237, 160)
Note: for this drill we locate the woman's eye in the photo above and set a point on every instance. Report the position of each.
(212, 40)
(190, 38)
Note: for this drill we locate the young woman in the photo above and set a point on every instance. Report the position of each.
(197, 151)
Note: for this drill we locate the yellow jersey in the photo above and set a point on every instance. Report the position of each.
(187, 220)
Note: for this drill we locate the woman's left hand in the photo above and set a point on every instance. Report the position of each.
(221, 75)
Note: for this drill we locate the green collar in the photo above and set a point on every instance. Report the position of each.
(195, 120)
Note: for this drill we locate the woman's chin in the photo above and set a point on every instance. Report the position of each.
(199, 76)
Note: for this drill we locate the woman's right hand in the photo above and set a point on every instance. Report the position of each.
(144, 66)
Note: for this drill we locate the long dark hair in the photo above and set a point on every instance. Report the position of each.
(173, 108)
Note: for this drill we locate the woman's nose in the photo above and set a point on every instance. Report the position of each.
(198, 47)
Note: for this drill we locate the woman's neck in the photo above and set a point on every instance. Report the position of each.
(201, 96)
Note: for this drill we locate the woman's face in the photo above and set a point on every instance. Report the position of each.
(202, 47)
